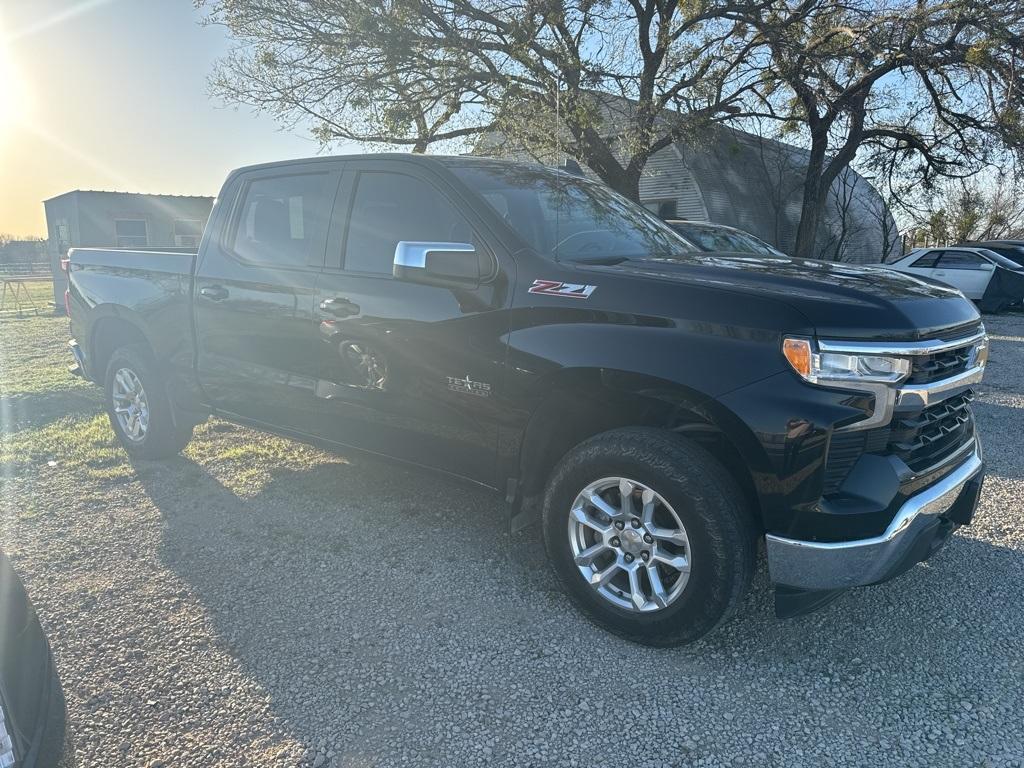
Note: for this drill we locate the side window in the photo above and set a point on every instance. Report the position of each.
(927, 261)
(280, 219)
(131, 233)
(390, 207)
(960, 260)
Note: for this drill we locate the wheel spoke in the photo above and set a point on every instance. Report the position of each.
(588, 555)
(602, 506)
(647, 513)
(125, 383)
(677, 562)
(636, 592)
(657, 588)
(626, 495)
(673, 535)
(579, 514)
(600, 578)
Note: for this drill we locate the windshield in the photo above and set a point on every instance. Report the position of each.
(999, 259)
(1011, 253)
(567, 218)
(722, 239)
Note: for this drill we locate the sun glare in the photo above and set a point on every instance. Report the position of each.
(14, 98)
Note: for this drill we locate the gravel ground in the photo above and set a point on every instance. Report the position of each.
(259, 603)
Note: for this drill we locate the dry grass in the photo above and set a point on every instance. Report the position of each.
(55, 438)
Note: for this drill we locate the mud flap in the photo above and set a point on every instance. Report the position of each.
(790, 602)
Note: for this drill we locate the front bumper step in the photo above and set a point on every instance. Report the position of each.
(918, 529)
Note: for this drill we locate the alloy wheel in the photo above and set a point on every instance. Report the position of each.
(629, 544)
(130, 405)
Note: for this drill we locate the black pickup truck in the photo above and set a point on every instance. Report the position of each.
(661, 410)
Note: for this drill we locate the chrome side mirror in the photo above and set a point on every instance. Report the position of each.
(443, 264)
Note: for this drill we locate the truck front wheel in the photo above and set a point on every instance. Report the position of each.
(139, 407)
(649, 535)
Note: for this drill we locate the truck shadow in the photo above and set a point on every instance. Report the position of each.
(377, 605)
(39, 409)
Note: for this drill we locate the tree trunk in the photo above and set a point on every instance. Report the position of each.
(626, 184)
(813, 200)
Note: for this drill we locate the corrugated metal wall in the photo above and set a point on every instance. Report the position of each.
(666, 178)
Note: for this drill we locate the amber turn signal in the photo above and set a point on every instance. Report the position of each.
(798, 353)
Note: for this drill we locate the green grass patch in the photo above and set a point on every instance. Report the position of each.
(245, 461)
(85, 445)
(34, 356)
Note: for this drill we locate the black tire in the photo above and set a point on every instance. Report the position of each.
(54, 747)
(711, 507)
(164, 436)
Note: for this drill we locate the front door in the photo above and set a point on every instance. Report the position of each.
(410, 370)
(258, 350)
(964, 270)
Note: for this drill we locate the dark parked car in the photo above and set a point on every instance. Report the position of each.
(659, 409)
(31, 701)
(718, 237)
(1011, 249)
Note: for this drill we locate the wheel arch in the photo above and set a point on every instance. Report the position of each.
(114, 327)
(584, 402)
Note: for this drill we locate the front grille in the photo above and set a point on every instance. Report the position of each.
(927, 437)
(921, 439)
(939, 365)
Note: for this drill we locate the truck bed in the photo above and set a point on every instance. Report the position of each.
(167, 262)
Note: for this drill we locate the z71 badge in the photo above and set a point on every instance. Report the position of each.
(556, 288)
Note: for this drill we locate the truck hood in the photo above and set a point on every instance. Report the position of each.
(838, 300)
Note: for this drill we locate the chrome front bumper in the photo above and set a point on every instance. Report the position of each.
(813, 565)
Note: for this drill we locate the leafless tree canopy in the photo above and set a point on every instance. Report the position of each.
(903, 87)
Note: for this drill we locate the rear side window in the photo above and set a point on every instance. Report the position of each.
(960, 260)
(390, 207)
(280, 219)
(927, 261)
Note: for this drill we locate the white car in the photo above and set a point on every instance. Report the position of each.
(969, 269)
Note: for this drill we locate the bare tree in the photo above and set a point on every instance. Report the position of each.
(417, 73)
(962, 211)
(930, 89)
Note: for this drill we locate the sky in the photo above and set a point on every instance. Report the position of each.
(112, 94)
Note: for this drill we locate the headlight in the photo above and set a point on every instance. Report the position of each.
(842, 368)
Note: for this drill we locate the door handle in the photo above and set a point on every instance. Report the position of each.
(214, 292)
(940, 272)
(339, 307)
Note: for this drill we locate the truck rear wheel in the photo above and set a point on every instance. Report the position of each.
(139, 407)
(649, 535)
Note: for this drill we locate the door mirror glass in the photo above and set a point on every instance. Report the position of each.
(443, 264)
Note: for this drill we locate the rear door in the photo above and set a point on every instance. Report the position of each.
(255, 283)
(410, 370)
(923, 265)
(965, 270)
